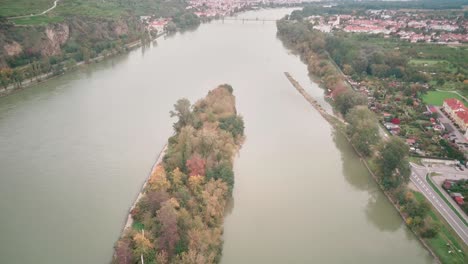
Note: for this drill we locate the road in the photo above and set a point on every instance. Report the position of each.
(418, 177)
(39, 14)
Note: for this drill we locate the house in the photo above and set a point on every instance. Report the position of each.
(447, 184)
(410, 141)
(392, 128)
(457, 112)
(459, 200)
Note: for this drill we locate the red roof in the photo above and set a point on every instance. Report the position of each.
(396, 121)
(458, 107)
(459, 200)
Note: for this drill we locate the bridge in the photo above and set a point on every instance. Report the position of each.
(255, 19)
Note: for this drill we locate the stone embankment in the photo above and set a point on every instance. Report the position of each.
(129, 221)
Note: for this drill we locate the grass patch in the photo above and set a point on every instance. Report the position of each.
(438, 97)
(445, 240)
(23, 7)
(37, 20)
(90, 8)
(138, 226)
(421, 61)
(416, 160)
(445, 200)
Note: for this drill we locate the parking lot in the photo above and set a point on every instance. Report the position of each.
(454, 133)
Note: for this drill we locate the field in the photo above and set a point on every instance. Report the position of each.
(110, 9)
(445, 241)
(437, 97)
(23, 7)
(37, 20)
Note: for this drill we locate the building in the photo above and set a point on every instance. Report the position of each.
(457, 112)
(458, 198)
(448, 184)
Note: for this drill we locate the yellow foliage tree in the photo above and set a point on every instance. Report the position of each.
(158, 180)
(142, 245)
(214, 197)
(176, 177)
(409, 221)
(195, 184)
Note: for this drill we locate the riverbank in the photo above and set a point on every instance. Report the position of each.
(340, 124)
(13, 88)
(129, 221)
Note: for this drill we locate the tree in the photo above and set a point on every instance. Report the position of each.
(363, 129)
(169, 236)
(214, 196)
(177, 178)
(143, 245)
(233, 124)
(162, 257)
(86, 54)
(196, 165)
(158, 180)
(222, 171)
(170, 27)
(155, 199)
(430, 229)
(182, 110)
(123, 253)
(5, 77)
(348, 99)
(18, 77)
(393, 163)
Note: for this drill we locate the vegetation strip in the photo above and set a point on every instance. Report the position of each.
(178, 216)
(429, 180)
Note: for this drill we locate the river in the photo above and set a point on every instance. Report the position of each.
(75, 151)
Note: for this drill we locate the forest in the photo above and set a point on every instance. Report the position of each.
(180, 217)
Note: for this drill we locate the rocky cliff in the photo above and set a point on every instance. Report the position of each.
(45, 41)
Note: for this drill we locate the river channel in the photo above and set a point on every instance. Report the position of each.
(75, 151)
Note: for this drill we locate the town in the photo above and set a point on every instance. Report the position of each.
(213, 9)
(407, 25)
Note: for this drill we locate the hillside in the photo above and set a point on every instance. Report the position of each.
(32, 43)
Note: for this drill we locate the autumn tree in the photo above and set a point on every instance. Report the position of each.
(162, 258)
(195, 184)
(143, 246)
(177, 177)
(158, 180)
(196, 165)
(123, 252)
(155, 199)
(169, 236)
(214, 197)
